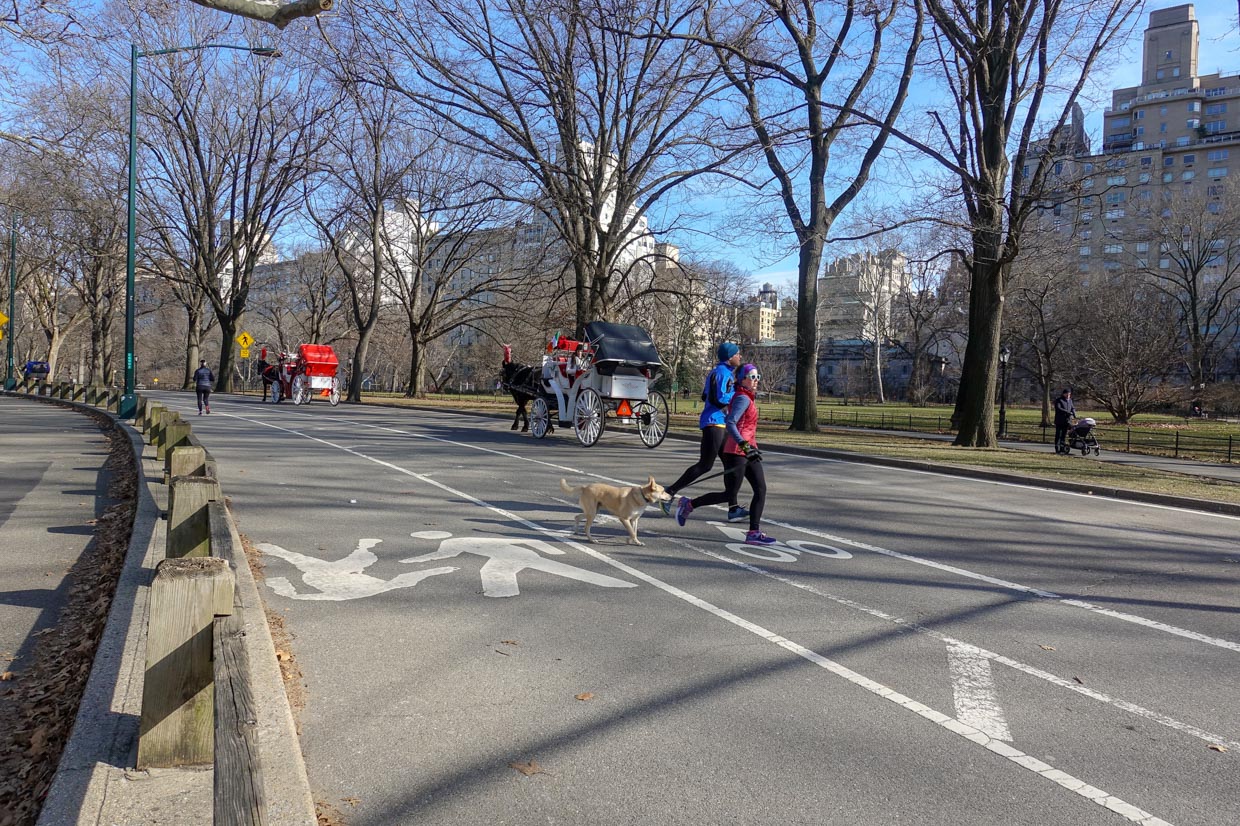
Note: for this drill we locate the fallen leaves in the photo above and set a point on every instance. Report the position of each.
(352, 801)
(528, 768)
(1079, 680)
(1216, 747)
(510, 642)
(504, 653)
(584, 697)
(283, 656)
(6, 676)
(1046, 647)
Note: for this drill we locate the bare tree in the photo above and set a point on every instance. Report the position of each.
(921, 314)
(790, 63)
(1010, 67)
(302, 300)
(597, 115)
(1190, 250)
(1125, 358)
(228, 142)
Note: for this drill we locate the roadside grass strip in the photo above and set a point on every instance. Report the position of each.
(973, 735)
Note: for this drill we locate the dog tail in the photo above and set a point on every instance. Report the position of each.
(564, 487)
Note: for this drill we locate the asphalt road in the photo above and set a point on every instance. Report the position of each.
(918, 649)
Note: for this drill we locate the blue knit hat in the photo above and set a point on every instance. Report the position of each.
(726, 350)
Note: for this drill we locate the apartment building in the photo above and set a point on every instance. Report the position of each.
(758, 318)
(857, 292)
(1173, 138)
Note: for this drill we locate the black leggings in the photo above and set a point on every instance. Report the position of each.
(712, 448)
(738, 468)
(204, 397)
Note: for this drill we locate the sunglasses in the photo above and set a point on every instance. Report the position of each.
(753, 376)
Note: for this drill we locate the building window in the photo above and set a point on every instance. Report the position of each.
(1175, 71)
(1168, 177)
(1217, 172)
(1162, 128)
(1138, 131)
(1164, 263)
(1144, 177)
(1194, 106)
(1112, 249)
(1143, 246)
(1192, 123)
(1160, 75)
(1087, 216)
(1190, 159)
(1083, 251)
(1213, 207)
(1144, 195)
(1188, 175)
(1216, 91)
(1116, 180)
(1143, 262)
(1058, 167)
(1147, 161)
(1119, 123)
(1183, 140)
(1169, 161)
(1057, 209)
(1116, 163)
(1082, 267)
(1110, 265)
(1214, 191)
(1216, 108)
(1138, 115)
(1119, 197)
(1216, 155)
(1162, 110)
(1089, 167)
(1086, 234)
(1167, 55)
(1114, 214)
(1216, 126)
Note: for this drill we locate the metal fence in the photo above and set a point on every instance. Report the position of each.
(1157, 442)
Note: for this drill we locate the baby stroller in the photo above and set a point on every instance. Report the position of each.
(1081, 437)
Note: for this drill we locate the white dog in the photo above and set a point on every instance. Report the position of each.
(626, 503)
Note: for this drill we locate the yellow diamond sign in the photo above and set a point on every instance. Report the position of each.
(3, 319)
(245, 340)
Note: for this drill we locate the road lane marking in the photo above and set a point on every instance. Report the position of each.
(1036, 592)
(1033, 671)
(961, 729)
(344, 578)
(977, 699)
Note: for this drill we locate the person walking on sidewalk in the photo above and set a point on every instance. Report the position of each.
(204, 380)
(741, 460)
(1065, 412)
(717, 395)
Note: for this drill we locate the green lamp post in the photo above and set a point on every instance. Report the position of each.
(129, 401)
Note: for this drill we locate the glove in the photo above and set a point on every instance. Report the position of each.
(749, 451)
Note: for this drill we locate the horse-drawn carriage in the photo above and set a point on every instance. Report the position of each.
(298, 376)
(610, 373)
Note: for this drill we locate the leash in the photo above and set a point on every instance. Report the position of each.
(716, 475)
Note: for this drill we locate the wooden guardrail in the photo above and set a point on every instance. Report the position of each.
(197, 702)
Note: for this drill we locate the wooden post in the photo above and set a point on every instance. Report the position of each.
(185, 460)
(79, 392)
(178, 698)
(172, 427)
(153, 413)
(189, 530)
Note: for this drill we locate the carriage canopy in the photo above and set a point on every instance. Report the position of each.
(622, 342)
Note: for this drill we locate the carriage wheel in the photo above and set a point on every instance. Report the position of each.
(588, 417)
(301, 389)
(333, 398)
(652, 419)
(540, 419)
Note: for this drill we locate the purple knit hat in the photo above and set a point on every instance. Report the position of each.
(746, 371)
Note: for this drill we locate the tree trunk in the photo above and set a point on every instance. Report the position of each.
(415, 368)
(228, 330)
(878, 371)
(193, 345)
(976, 403)
(805, 403)
(359, 365)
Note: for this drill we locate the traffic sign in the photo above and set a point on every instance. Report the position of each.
(245, 340)
(3, 319)
(245, 352)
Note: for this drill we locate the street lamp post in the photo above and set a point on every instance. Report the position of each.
(129, 401)
(9, 381)
(941, 363)
(1004, 355)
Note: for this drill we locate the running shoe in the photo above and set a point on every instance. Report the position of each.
(759, 538)
(683, 510)
(738, 513)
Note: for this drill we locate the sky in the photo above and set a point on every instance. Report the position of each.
(1219, 51)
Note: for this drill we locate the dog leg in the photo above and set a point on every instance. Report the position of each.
(631, 526)
(588, 515)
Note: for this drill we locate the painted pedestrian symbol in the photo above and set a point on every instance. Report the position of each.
(344, 578)
(507, 557)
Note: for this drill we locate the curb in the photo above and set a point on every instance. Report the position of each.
(95, 782)
(1124, 494)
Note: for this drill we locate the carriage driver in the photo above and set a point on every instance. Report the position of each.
(717, 395)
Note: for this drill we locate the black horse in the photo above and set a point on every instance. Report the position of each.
(516, 379)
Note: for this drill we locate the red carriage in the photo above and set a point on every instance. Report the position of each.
(302, 375)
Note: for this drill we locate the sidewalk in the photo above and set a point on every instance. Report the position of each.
(1207, 470)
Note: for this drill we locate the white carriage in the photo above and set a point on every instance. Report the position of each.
(610, 373)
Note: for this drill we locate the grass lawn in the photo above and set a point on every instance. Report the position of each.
(1028, 464)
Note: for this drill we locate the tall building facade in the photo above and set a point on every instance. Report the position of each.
(857, 294)
(1169, 143)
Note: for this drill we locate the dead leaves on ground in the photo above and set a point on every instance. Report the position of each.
(528, 768)
(1217, 747)
(584, 697)
(1046, 647)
